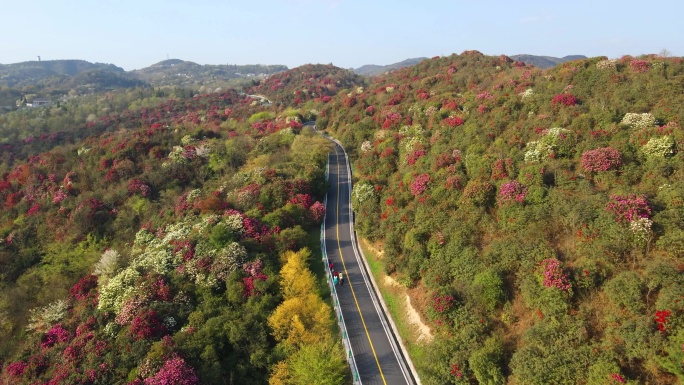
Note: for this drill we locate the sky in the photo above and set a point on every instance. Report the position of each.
(134, 34)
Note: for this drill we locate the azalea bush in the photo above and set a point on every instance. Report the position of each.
(601, 159)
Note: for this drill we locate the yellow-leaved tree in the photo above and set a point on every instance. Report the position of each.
(303, 325)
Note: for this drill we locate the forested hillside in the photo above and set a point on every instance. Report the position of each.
(152, 238)
(539, 213)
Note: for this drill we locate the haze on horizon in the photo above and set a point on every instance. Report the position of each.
(347, 33)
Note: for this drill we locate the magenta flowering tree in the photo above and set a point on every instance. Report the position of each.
(601, 159)
(553, 274)
(512, 191)
(564, 100)
(420, 184)
(628, 208)
(174, 372)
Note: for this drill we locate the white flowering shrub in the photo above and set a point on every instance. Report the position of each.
(176, 156)
(555, 139)
(389, 89)
(366, 146)
(44, 317)
(228, 259)
(234, 223)
(527, 93)
(202, 151)
(634, 120)
(118, 289)
(659, 147)
(362, 192)
(607, 64)
(108, 263)
(641, 229)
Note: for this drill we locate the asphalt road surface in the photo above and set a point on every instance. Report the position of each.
(378, 359)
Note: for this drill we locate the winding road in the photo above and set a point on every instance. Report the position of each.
(373, 344)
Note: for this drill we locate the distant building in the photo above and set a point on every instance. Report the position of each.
(38, 102)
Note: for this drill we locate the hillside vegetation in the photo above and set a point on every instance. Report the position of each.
(159, 240)
(540, 213)
(154, 236)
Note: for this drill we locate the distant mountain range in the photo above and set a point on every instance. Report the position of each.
(537, 61)
(545, 61)
(52, 78)
(374, 70)
(176, 72)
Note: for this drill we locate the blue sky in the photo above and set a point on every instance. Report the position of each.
(348, 33)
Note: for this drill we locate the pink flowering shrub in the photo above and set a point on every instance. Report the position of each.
(420, 184)
(317, 212)
(628, 208)
(564, 100)
(370, 110)
(512, 191)
(137, 186)
(16, 368)
(174, 372)
(639, 66)
(254, 271)
(55, 335)
(601, 159)
(553, 274)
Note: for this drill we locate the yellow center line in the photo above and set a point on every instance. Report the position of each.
(339, 247)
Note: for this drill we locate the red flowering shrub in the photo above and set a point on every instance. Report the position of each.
(480, 193)
(414, 156)
(147, 325)
(453, 121)
(137, 186)
(370, 110)
(83, 287)
(662, 317)
(564, 100)
(501, 168)
(628, 208)
(391, 119)
(305, 200)
(601, 159)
